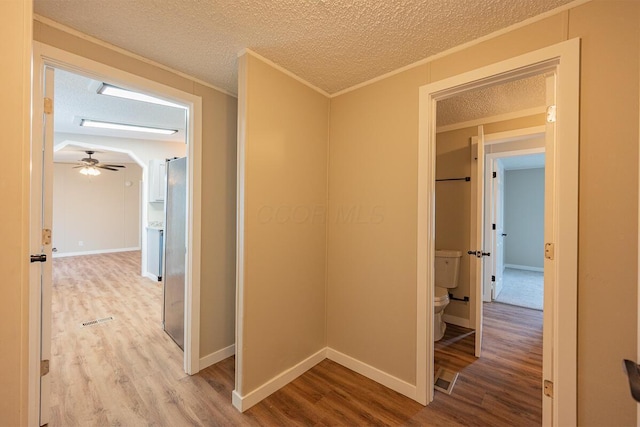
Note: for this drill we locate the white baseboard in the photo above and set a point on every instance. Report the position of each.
(217, 356)
(151, 276)
(95, 252)
(455, 320)
(372, 373)
(524, 267)
(242, 403)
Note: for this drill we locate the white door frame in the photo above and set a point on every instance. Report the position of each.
(490, 194)
(563, 59)
(48, 56)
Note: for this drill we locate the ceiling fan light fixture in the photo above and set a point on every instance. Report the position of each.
(108, 89)
(89, 171)
(126, 127)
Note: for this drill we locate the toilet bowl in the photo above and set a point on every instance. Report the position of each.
(447, 267)
(440, 301)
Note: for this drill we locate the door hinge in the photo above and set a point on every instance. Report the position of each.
(551, 114)
(549, 250)
(46, 236)
(495, 174)
(548, 388)
(493, 227)
(493, 278)
(48, 106)
(44, 367)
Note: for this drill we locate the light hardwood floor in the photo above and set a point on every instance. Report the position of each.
(129, 372)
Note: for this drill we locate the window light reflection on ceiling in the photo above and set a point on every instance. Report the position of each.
(107, 89)
(122, 126)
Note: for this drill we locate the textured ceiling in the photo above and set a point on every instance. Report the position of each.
(505, 98)
(332, 44)
(73, 153)
(76, 98)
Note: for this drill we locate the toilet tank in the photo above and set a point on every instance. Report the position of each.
(447, 268)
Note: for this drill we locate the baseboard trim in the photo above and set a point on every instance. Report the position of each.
(242, 403)
(455, 320)
(151, 276)
(372, 373)
(524, 267)
(95, 252)
(217, 356)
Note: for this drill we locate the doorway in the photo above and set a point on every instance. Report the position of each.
(46, 59)
(560, 218)
(514, 219)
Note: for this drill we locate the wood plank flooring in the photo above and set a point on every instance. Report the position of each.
(129, 372)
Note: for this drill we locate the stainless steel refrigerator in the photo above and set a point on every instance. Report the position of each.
(175, 249)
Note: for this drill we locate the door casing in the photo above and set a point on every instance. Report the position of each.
(490, 194)
(48, 56)
(562, 59)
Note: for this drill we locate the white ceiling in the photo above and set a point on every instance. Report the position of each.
(75, 98)
(332, 44)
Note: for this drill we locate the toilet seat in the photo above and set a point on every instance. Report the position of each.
(441, 296)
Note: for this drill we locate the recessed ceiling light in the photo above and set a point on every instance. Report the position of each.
(122, 126)
(107, 89)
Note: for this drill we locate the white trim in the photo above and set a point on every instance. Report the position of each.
(242, 117)
(47, 55)
(58, 26)
(217, 356)
(467, 45)
(524, 267)
(492, 119)
(94, 252)
(375, 374)
(564, 59)
(425, 251)
(248, 51)
(458, 321)
(151, 276)
(242, 403)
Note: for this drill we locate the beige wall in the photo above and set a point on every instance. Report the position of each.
(371, 310)
(373, 147)
(285, 195)
(15, 81)
(217, 304)
(102, 212)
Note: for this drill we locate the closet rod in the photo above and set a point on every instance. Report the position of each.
(466, 178)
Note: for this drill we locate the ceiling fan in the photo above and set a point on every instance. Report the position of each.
(90, 165)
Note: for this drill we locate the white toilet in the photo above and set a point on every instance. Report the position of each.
(447, 267)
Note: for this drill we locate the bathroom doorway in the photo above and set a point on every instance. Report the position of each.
(560, 213)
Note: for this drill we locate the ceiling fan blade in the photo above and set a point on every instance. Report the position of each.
(107, 168)
(112, 166)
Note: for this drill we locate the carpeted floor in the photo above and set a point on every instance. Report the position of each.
(522, 288)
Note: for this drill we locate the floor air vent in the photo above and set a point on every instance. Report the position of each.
(97, 321)
(445, 380)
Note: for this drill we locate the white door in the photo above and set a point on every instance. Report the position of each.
(494, 228)
(497, 255)
(40, 228)
(477, 238)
